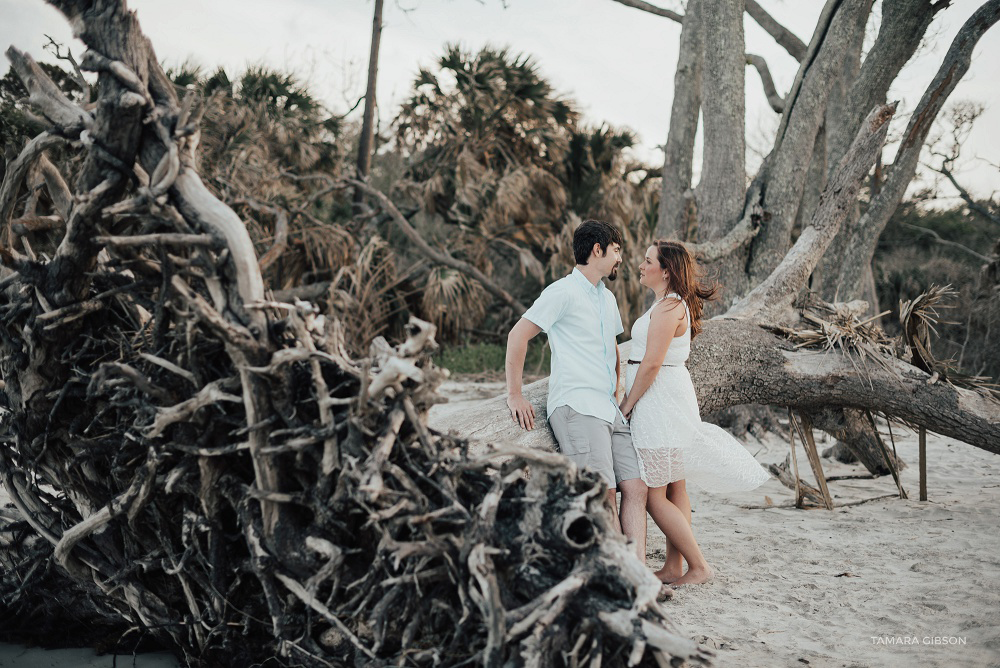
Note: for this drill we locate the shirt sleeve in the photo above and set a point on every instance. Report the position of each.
(619, 327)
(548, 308)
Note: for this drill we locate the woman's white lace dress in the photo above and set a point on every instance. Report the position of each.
(672, 441)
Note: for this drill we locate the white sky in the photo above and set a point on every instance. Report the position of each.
(617, 63)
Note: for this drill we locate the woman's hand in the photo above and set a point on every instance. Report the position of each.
(626, 408)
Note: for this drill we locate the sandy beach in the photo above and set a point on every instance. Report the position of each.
(886, 583)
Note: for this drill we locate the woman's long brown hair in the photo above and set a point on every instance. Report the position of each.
(686, 278)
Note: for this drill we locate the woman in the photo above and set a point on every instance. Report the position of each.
(674, 445)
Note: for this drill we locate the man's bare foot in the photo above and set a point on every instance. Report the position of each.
(669, 575)
(695, 576)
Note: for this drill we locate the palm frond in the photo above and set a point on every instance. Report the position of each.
(918, 318)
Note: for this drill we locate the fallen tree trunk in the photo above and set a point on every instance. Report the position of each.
(735, 362)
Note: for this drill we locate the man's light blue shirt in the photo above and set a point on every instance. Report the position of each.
(581, 321)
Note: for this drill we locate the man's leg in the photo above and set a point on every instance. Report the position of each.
(633, 515)
(611, 501)
(633, 489)
(586, 441)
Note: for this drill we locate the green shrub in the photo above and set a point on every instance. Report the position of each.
(490, 357)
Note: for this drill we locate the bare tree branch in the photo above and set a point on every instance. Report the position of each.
(776, 101)
(964, 194)
(944, 242)
(741, 235)
(652, 9)
(776, 293)
(956, 63)
(805, 107)
(18, 169)
(441, 257)
(795, 47)
(46, 97)
(782, 35)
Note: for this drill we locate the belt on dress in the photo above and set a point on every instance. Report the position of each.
(640, 362)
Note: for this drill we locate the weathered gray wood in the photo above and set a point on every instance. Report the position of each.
(772, 297)
(956, 63)
(652, 9)
(850, 427)
(923, 463)
(723, 176)
(773, 97)
(676, 196)
(809, 443)
(782, 35)
(804, 113)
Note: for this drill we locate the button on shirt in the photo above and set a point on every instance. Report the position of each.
(581, 321)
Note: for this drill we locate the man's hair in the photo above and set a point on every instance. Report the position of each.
(593, 232)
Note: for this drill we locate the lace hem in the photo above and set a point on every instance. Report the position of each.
(661, 466)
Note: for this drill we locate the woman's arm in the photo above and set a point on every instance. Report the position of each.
(664, 322)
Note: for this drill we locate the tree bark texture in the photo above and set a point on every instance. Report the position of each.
(804, 111)
(368, 120)
(676, 198)
(775, 294)
(723, 177)
(782, 35)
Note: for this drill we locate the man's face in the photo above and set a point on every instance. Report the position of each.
(610, 260)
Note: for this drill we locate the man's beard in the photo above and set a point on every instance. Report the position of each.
(614, 273)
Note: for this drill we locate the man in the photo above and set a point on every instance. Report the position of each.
(580, 316)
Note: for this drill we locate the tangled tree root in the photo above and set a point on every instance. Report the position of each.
(190, 461)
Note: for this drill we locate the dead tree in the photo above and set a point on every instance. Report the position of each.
(833, 91)
(742, 357)
(192, 461)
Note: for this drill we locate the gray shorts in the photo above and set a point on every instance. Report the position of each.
(598, 445)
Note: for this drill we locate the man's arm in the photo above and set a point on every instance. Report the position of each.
(618, 369)
(517, 348)
(618, 365)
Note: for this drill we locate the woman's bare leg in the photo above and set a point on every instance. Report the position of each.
(673, 566)
(675, 527)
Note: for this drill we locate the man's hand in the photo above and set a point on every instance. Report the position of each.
(522, 411)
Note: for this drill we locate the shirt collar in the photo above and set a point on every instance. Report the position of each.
(585, 282)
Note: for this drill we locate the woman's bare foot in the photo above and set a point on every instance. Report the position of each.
(669, 575)
(695, 576)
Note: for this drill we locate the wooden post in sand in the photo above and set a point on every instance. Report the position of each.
(923, 464)
(795, 464)
(810, 445)
(885, 454)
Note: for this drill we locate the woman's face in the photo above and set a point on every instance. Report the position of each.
(650, 273)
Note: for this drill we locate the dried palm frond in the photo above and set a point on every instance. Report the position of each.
(918, 318)
(843, 327)
(430, 190)
(366, 294)
(514, 193)
(452, 300)
(473, 181)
